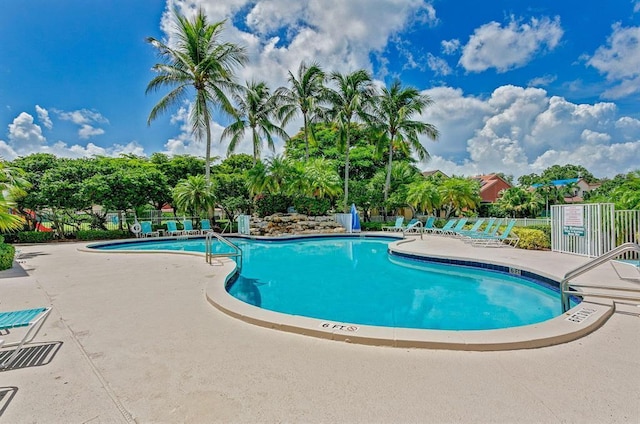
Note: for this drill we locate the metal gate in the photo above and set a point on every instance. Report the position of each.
(586, 229)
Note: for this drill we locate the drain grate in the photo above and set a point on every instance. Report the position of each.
(580, 315)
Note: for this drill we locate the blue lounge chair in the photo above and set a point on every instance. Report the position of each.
(32, 318)
(172, 229)
(503, 239)
(489, 231)
(454, 230)
(472, 230)
(146, 230)
(188, 228)
(446, 227)
(205, 226)
(414, 227)
(398, 226)
(428, 225)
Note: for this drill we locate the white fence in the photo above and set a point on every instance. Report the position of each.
(587, 229)
(628, 229)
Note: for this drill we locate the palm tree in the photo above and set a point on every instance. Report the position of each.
(350, 100)
(194, 195)
(199, 60)
(423, 194)
(255, 109)
(302, 96)
(394, 109)
(459, 194)
(12, 187)
(322, 179)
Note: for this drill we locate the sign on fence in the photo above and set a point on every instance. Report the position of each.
(573, 221)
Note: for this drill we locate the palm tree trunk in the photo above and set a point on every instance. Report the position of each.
(207, 163)
(346, 171)
(387, 182)
(306, 136)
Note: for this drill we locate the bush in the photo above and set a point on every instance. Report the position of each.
(546, 229)
(311, 206)
(371, 226)
(35, 236)
(87, 235)
(532, 239)
(7, 253)
(269, 204)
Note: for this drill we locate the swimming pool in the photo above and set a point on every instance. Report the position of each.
(355, 280)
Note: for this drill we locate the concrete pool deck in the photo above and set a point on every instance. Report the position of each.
(134, 339)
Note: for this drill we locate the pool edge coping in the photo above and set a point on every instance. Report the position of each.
(547, 333)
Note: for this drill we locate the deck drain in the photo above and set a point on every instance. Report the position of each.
(580, 315)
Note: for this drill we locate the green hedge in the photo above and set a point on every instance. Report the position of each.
(7, 253)
(86, 235)
(532, 239)
(372, 226)
(34, 237)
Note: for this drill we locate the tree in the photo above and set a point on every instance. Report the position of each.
(564, 172)
(12, 186)
(194, 196)
(518, 202)
(255, 109)
(199, 60)
(178, 167)
(350, 100)
(459, 194)
(394, 110)
(302, 96)
(424, 195)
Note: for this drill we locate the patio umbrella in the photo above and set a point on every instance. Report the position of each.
(355, 219)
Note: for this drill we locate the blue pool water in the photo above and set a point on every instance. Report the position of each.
(355, 280)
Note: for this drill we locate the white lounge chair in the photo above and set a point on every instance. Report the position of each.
(32, 318)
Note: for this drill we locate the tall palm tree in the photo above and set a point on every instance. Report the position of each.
(255, 109)
(200, 60)
(350, 100)
(194, 195)
(303, 97)
(395, 108)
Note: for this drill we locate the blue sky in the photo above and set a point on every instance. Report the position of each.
(518, 86)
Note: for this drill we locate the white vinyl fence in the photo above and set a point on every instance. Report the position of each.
(587, 229)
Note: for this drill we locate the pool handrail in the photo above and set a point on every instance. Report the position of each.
(612, 254)
(209, 255)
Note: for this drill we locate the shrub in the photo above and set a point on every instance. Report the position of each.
(7, 253)
(269, 204)
(371, 226)
(86, 235)
(35, 236)
(532, 239)
(311, 206)
(546, 229)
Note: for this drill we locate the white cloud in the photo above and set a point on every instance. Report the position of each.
(43, 116)
(24, 134)
(450, 46)
(438, 65)
(542, 81)
(25, 138)
(86, 119)
(636, 6)
(511, 46)
(522, 130)
(619, 61)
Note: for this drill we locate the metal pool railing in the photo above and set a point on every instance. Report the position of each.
(565, 286)
(209, 255)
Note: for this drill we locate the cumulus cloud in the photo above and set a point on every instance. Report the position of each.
(512, 46)
(619, 61)
(450, 46)
(25, 137)
(520, 130)
(43, 117)
(87, 120)
(438, 65)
